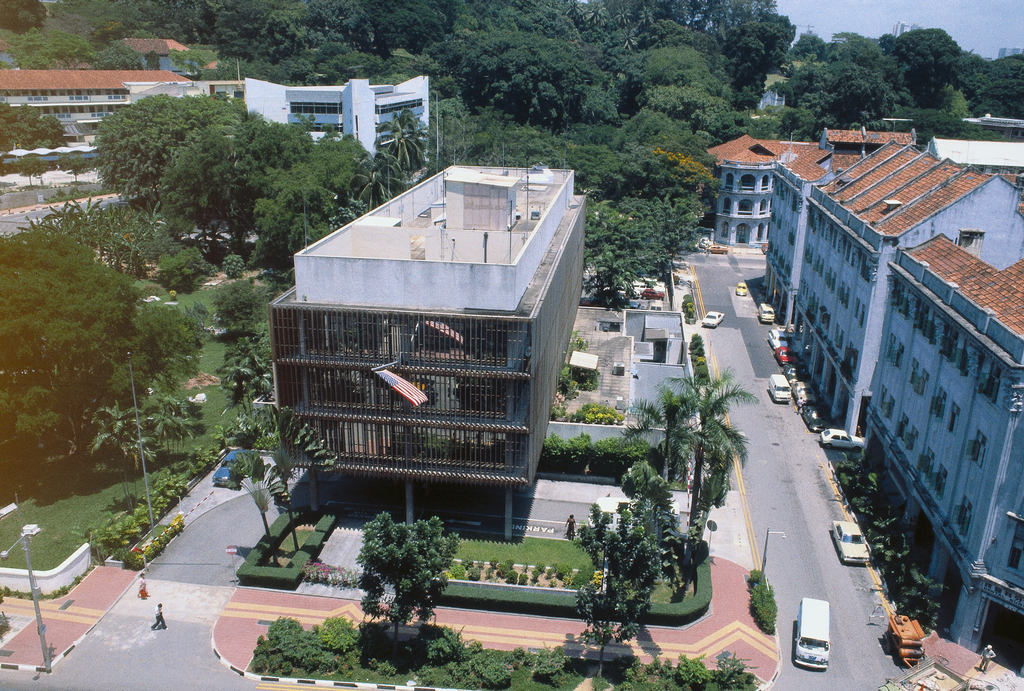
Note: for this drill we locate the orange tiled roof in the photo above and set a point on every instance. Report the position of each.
(843, 161)
(868, 137)
(920, 182)
(160, 46)
(806, 161)
(982, 283)
(82, 79)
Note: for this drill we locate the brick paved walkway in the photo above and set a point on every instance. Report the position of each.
(67, 619)
(728, 626)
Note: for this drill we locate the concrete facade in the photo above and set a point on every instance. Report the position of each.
(355, 108)
(480, 325)
(944, 419)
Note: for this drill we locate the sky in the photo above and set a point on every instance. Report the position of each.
(982, 26)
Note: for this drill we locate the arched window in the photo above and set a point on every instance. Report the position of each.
(747, 183)
(728, 181)
(727, 206)
(725, 232)
(764, 183)
(746, 207)
(760, 232)
(764, 206)
(742, 233)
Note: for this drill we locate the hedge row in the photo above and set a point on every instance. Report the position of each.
(560, 604)
(285, 577)
(605, 457)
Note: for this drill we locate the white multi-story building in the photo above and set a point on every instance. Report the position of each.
(947, 400)
(80, 98)
(896, 197)
(355, 108)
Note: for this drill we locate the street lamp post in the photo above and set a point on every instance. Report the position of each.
(764, 555)
(27, 531)
(142, 453)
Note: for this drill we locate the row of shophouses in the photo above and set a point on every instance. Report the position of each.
(901, 276)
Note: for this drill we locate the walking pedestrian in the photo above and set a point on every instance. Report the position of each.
(570, 528)
(987, 655)
(143, 591)
(159, 623)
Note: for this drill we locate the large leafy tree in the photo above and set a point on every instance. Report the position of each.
(37, 50)
(117, 56)
(137, 144)
(21, 15)
(928, 60)
(627, 557)
(404, 568)
(25, 128)
(753, 49)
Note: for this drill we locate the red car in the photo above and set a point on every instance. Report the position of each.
(652, 294)
(784, 356)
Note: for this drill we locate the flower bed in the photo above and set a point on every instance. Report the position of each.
(137, 558)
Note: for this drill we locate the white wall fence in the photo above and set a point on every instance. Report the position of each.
(48, 581)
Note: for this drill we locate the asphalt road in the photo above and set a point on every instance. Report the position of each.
(788, 490)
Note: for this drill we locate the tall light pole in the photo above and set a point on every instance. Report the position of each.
(142, 454)
(27, 531)
(764, 555)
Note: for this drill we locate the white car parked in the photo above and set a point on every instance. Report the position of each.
(712, 319)
(839, 439)
(776, 338)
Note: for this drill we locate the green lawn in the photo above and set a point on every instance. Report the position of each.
(532, 550)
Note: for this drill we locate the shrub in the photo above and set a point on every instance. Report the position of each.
(458, 572)
(473, 573)
(524, 579)
(549, 662)
(438, 645)
(338, 636)
(234, 266)
(240, 306)
(763, 606)
(597, 414)
(184, 271)
(491, 669)
(288, 648)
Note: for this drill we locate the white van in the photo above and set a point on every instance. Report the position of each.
(812, 634)
(778, 389)
(765, 313)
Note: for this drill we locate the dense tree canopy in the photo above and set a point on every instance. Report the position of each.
(21, 15)
(25, 128)
(927, 60)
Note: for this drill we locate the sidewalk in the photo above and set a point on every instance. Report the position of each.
(727, 626)
(67, 619)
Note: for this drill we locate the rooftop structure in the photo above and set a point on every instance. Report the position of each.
(1009, 128)
(465, 286)
(988, 157)
(849, 146)
(355, 108)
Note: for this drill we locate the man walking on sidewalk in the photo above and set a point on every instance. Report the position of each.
(570, 528)
(159, 623)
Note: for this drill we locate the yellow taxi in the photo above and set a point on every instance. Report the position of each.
(741, 288)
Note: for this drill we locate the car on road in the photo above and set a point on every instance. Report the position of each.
(741, 288)
(813, 417)
(783, 355)
(849, 542)
(222, 476)
(839, 439)
(777, 338)
(802, 391)
(652, 294)
(712, 319)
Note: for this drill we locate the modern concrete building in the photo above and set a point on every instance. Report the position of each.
(896, 197)
(355, 108)
(466, 286)
(998, 158)
(948, 392)
(80, 98)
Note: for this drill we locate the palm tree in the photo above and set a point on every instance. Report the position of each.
(285, 469)
(115, 427)
(622, 18)
(403, 137)
(629, 42)
(713, 440)
(261, 495)
(379, 178)
(669, 413)
(575, 11)
(645, 19)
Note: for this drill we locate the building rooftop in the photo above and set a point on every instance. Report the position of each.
(83, 79)
(1001, 153)
(160, 46)
(806, 159)
(863, 136)
(897, 187)
(988, 287)
(467, 238)
(998, 122)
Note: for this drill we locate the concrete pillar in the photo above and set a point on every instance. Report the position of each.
(939, 562)
(508, 514)
(408, 503)
(969, 620)
(314, 490)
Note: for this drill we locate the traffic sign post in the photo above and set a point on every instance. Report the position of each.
(233, 550)
(712, 527)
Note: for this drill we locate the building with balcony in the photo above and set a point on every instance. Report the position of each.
(80, 99)
(355, 108)
(746, 169)
(897, 197)
(465, 286)
(944, 417)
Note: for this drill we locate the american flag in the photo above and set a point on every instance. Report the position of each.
(446, 330)
(405, 389)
